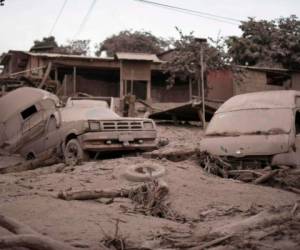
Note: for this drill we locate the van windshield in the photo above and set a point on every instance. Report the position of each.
(253, 121)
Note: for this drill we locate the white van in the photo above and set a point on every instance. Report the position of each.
(261, 127)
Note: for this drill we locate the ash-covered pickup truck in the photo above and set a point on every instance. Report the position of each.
(82, 126)
(89, 124)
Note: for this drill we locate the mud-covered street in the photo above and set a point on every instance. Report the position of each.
(206, 206)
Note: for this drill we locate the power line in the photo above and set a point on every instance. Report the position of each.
(85, 19)
(193, 12)
(58, 16)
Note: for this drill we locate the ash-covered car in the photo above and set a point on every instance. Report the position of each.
(256, 128)
(83, 125)
(90, 125)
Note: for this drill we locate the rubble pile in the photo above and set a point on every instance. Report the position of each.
(285, 177)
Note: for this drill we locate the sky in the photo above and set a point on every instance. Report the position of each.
(23, 21)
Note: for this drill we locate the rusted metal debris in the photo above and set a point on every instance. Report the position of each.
(187, 112)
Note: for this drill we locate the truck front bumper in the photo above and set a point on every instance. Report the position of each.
(118, 140)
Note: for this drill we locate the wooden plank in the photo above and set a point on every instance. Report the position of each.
(46, 75)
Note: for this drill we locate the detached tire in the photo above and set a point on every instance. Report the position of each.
(73, 153)
(144, 172)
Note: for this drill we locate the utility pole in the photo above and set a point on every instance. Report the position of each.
(201, 42)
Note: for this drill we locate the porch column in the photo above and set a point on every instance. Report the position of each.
(190, 89)
(121, 80)
(149, 90)
(74, 80)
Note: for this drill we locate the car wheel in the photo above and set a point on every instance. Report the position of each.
(73, 153)
(144, 172)
(30, 156)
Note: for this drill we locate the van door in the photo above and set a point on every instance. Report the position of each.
(292, 157)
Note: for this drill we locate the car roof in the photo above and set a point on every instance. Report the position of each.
(22, 98)
(261, 100)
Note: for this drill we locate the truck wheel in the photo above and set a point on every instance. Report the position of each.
(144, 172)
(73, 153)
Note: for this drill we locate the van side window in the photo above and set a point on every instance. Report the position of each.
(297, 121)
(28, 112)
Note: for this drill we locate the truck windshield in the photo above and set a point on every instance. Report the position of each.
(253, 121)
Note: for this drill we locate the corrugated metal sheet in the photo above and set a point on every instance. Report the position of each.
(137, 57)
(54, 55)
(187, 112)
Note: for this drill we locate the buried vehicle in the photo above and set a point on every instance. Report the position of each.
(24, 114)
(90, 125)
(83, 125)
(261, 128)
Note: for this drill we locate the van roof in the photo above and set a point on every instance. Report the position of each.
(261, 100)
(21, 98)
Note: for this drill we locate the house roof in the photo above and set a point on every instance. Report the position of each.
(265, 69)
(56, 55)
(119, 56)
(137, 57)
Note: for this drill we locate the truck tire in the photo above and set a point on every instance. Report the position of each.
(73, 153)
(144, 172)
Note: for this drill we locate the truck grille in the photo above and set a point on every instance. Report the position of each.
(121, 125)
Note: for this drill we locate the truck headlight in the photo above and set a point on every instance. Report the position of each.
(94, 126)
(148, 125)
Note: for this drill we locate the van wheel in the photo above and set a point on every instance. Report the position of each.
(74, 154)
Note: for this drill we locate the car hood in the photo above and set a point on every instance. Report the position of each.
(245, 145)
(73, 114)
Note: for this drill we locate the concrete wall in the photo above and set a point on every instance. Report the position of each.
(34, 64)
(296, 81)
(220, 84)
(136, 70)
(247, 81)
(178, 93)
(97, 87)
(16, 63)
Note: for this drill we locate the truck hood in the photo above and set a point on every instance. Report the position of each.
(75, 114)
(245, 145)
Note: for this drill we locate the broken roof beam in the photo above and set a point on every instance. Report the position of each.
(46, 75)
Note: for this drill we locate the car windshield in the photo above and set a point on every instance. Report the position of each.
(95, 113)
(253, 121)
(100, 113)
(88, 103)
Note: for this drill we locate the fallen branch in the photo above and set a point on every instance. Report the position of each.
(150, 198)
(174, 155)
(33, 242)
(265, 177)
(212, 243)
(106, 193)
(92, 194)
(295, 190)
(45, 160)
(27, 237)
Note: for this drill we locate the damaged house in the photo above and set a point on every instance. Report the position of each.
(249, 79)
(140, 74)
